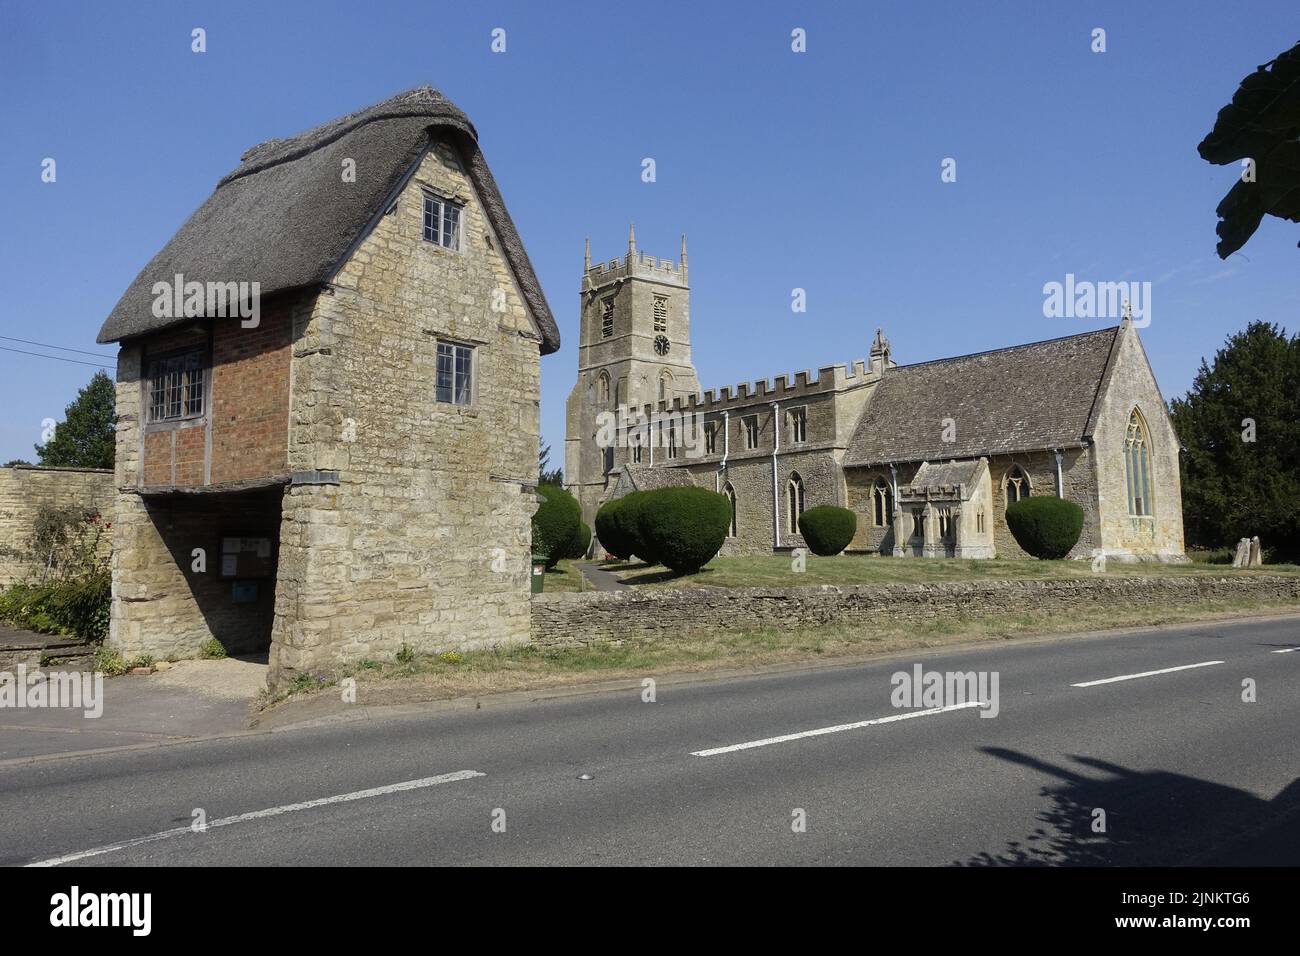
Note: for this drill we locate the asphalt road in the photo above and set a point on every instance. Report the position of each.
(1185, 771)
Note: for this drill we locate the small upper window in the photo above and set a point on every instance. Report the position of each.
(661, 313)
(710, 439)
(176, 386)
(751, 432)
(441, 221)
(455, 381)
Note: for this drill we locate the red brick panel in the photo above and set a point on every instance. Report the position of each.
(250, 397)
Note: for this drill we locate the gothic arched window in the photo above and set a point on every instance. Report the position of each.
(794, 502)
(882, 503)
(602, 388)
(1016, 485)
(1137, 466)
(730, 492)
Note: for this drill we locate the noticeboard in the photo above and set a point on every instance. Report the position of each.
(247, 558)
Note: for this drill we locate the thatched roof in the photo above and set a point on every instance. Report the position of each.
(1002, 402)
(284, 217)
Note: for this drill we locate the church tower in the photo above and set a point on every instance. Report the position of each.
(634, 349)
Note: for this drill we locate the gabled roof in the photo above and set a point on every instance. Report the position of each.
(1000, 402)
(285, 218)
(650, 477)
(945, 474)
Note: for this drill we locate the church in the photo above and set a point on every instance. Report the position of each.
(928, 455)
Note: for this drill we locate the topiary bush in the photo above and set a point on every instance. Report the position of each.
(627, 524)
(610, 530)
(827, 530)
(580, 541)
(555, 523)
(1046, 527)
(682, 527)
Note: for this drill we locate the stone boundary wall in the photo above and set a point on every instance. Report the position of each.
(24, 489)
(577, 618)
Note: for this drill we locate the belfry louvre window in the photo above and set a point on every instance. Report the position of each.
(176, 386)
(751, 432)
(441, 221)
(661, 313)
(606, 317)
(455, 377)
(1137, 466)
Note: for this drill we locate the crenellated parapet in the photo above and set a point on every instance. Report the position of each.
(783, 389)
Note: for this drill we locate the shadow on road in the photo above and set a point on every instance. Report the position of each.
(1152, 818)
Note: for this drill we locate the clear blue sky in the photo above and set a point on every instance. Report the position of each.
(818, 171)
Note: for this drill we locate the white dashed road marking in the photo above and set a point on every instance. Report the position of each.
(820, 731)
(1165, 670)
(262, 814)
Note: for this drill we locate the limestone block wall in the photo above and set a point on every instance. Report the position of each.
(25, 489)
(578, 618)
(422, 537)
(1132, 385)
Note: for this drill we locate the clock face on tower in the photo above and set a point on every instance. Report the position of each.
(661, 344)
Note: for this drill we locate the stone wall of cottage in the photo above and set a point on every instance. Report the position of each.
(1159, 536)
(408, 522)
(25, 489)
(579, 618)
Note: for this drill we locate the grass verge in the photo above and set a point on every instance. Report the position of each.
(418, 677)
(776, 570)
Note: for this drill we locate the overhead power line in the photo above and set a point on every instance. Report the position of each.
(57, 358)
(61, 348)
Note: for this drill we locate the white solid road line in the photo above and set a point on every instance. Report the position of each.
(1287, 650)
(260, 814)
(1165, 670)
(767, 741)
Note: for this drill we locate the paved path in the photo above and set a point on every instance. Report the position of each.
(1148, 726)
(601, 579)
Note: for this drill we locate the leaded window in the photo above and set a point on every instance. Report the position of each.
(177, 385)
(1137, 466)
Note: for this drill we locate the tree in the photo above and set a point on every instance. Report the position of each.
(1258, 130)
(1239, 427)
(545, 474)
(86, 436)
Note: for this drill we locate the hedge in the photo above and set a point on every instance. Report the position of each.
(683, 528)
(610, 530)
(827, 529)
(580, 541)
(555, 523)
(1045, 527)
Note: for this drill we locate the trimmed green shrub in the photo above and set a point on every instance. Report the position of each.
(683, 527)
(580, 541)
(1046, 526)
(555, 523)
(627, 524)
(827, 530)
(609, 532)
